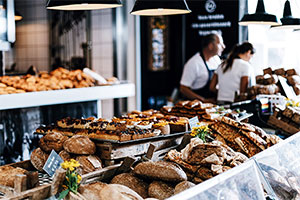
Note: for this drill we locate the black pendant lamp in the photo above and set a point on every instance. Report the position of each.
(259, 17)
(160, 7)
(18, 16)
(288, 22)
(82, 4)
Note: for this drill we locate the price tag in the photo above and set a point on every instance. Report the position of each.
(53, 163)
(194, 122)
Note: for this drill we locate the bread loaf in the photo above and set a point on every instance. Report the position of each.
(88, 164)
(133, 182)
(64, 155)
(120, 192)
(291, 72)
(91, 191)
(8, 173)
(79, 144)
(38, 158)
(53, 141)
(184, 185)
(160, 170)
(160, 190)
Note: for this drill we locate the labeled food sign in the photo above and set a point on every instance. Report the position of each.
(53, 163)
(208, 16)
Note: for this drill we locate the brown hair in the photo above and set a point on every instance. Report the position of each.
(237, 49)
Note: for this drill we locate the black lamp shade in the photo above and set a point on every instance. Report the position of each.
(160, 7)
(288, 21)
(259, 17)
(82, 4)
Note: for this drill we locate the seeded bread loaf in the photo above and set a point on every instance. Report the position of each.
(38, 158)
(8, 173)
(133, 182)
(160, 190)
(79, 144)
(53, 141)
(160, 170)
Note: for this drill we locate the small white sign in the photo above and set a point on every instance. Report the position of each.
(194, 122)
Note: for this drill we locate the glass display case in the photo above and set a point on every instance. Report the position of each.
(242, 182)
(272, 174)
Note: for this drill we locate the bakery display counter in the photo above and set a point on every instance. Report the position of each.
(44, 98)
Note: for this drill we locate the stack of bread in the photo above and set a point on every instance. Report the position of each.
(158, 180)
(242, 137)
(135, 125)
(202, 161)
(287, 120)
(77, 147)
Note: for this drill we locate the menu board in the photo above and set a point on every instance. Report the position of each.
(211, 15)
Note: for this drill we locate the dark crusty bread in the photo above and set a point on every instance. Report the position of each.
(160, 190)
(133, 182)
(8, 173)
(161, 170)
(291, 72)
(64, 155)
(268, 70)
(116, 191)
(53, 141)
(38, 158)
(91, 191)
(184, 185)
(79, 144)
(88, 164)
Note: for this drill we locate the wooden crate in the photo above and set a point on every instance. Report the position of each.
(112, 152)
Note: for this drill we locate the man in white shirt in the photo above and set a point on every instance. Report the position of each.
(199, 69)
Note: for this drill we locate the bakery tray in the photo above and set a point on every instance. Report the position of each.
(137, 140)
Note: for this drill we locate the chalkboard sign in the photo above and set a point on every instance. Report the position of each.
(52, 163)
(211, 15)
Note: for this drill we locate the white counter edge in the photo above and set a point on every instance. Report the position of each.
(43, 98)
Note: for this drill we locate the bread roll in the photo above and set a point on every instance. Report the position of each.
(184, 185)
(91, 191)
(38, 158)
(120, 192)
(160, 190)
(53, 141)
(134, 183)
(268, 70)
(79, 144)
(64, 155)
(161, 170)
(88, 164)
(8, 173)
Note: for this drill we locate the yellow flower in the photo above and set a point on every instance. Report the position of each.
(73, 175)
(67, 179)
(65, 187)
(79, 178)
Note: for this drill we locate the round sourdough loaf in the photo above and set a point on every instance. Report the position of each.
(92, 190)
(53, 141)
(161, 170)
(133, 182)
(120, 192)
(38, 158)
(79, 144)
(160, 190)
(88, 164)
(184, 185)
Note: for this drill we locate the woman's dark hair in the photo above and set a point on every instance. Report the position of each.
(237, 49)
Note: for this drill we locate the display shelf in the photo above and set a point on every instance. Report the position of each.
(53, 97)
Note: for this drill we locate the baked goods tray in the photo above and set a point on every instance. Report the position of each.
(136, 140)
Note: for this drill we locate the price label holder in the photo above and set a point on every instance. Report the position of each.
(53, 163)
(194, 122)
